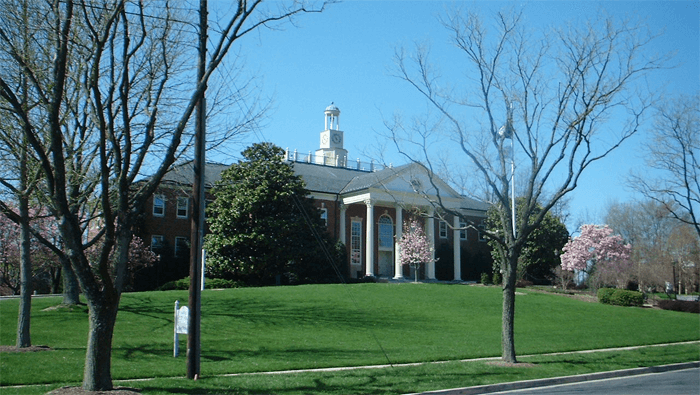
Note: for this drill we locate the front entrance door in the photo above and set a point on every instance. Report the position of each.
(386, 264)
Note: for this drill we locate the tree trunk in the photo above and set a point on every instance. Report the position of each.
(54, 279)
(25, 302)
(71, 287)
(508, 317)
(98, 360)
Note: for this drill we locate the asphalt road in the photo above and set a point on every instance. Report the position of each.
(679, 382)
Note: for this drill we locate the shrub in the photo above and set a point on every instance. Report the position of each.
(367, 279)
(604, 295)
(485, 278)
(680, 305)
(220, 283)
(184, 284)
(620, 297)
(522, 283)
(497, 280)
(623, 297)
(181, 284)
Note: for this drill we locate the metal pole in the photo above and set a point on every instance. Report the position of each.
(512, 185)
(197, 221)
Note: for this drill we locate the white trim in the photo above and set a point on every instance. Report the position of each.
(160, 197)
(442, 226)
(178, 207)
(186, 239)
(398, 270)
(369, 235)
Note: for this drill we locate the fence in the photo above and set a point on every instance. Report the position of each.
(333, 160)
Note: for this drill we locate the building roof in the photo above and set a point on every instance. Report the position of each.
(374, 179)
(184, 174)
(333, 180)
(326, 179)
(338, 180)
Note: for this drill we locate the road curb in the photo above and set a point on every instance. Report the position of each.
(519, 385)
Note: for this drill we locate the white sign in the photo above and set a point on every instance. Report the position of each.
(183, 319)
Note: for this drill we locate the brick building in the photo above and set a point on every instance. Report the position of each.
(363, 206)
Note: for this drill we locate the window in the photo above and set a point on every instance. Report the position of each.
(386, 233)
(158, 205)
(482, 228)
(443, 229)
(416, 184)
(462, 230)
(157, 242)
(182, 246)
(356, 242)
(324, 216)
(183, 205)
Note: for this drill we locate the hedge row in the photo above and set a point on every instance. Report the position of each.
(680, 305)
(184, 284)
(620, 297)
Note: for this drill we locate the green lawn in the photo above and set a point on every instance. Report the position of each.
(281, 328)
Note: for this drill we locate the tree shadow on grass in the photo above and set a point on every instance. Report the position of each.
(376, 381)
(279, 314)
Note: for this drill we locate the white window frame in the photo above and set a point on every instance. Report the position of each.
(442, 229)
(462, 230)
(356, 242)
(157, 241)
(158, 207)
(180, 207)
(178, 238)
(324, 216)
(482, 228)
(388, 227)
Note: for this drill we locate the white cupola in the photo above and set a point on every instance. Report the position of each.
(331, 152)
(332, 117)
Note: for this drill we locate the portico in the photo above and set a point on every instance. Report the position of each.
(367, 208)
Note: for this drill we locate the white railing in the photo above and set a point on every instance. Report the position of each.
(333, 161)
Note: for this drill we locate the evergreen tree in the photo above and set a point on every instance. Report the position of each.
(262, 225)
(540, 255)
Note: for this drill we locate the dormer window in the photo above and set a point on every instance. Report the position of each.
(416, 184)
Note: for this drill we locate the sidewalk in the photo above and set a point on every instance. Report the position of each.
(482, 389)
(485, 389)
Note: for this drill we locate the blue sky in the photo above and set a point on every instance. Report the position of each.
(345, 55)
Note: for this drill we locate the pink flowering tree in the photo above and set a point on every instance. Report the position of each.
(603, 256)
(140, 257)
(414, 248)
(44, 262)
(9, 255)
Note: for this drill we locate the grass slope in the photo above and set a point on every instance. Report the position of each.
(281, 328)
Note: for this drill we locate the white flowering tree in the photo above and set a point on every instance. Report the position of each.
(414, 248)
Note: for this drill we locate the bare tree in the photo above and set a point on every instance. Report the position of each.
(550, 96)
(674, 156)
(648, 226)
(18, 181)
(122, 61)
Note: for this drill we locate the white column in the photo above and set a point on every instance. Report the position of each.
(343, 232)
(369, 241)
(430, 232)
(398, 270)
(457, 242)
